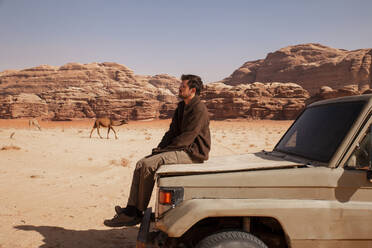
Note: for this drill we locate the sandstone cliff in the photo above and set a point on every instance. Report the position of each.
(83, 91)
(109, 89)
(289, 76)
(257, 100)
(311, 66)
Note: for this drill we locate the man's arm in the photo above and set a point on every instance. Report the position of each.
(171, 133)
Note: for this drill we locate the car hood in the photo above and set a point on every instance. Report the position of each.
(243, 162)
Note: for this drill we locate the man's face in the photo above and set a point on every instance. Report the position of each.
(184, 91)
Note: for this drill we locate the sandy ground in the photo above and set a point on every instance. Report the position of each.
(58, 185)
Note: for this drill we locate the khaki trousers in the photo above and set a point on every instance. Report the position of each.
(144, 176)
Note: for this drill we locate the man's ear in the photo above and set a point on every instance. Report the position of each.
(193, 90)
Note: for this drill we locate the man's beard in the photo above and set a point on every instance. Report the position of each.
(182, 96)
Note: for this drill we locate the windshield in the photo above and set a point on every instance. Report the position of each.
(319, 130)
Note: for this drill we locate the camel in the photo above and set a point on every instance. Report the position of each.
(106, 122)
(34, 123)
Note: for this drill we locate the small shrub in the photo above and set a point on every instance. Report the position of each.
(6, 148)
(35, 176)
(124, 162)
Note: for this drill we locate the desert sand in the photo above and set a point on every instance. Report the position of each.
(58, 185)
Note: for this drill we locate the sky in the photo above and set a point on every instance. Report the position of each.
(210, 38)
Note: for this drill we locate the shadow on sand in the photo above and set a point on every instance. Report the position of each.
(58, 237)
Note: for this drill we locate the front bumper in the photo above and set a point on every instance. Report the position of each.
(143, 237)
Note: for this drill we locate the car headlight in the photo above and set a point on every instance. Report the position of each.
(168, 198)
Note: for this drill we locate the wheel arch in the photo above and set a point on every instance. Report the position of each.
(266, 228)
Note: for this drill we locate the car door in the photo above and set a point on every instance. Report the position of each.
(354, 194)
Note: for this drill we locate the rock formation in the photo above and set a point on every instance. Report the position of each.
(327, 92)
(84, 91)
(311, 66)
(257, 100)
(289, 76)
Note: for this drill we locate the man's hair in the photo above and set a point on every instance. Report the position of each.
(193, 82)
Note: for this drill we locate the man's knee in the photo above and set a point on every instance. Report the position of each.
(150, 165)
(139, 164)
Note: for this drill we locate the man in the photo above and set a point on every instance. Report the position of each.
(187, 141)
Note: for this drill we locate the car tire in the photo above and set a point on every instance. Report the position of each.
(231, 239)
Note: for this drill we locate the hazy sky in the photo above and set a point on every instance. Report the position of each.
(208, 38)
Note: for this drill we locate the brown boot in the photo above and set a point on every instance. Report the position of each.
(123, 220)
(119, 209)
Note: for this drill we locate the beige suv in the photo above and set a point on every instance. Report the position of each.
(312, 190)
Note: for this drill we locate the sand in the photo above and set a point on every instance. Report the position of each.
(58, 185)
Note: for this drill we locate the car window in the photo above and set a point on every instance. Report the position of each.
(319, 131)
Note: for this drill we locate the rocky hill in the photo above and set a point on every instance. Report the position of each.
(290, 78)
(109, 89)
(257, 100)
(311, 66)
(84, 91)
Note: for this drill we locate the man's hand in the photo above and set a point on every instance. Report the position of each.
(156, 150)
